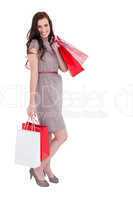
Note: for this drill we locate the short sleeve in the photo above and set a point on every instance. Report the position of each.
(33, 47)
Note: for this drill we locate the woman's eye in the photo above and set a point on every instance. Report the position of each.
(46, 25)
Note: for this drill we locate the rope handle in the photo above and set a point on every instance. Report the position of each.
(33, 120)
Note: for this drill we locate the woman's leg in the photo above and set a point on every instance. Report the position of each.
(59, 139)
(39, 170)
(48, 169)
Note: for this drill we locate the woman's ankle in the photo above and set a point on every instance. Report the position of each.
(49, 172)
(39, 173)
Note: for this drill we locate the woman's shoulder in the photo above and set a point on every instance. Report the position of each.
(34, 44)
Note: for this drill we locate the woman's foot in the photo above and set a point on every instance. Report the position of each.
(39, 177)
(52, 178)
(39, 173)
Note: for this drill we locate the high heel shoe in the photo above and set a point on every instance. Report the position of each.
(52, 179)
(42, 183)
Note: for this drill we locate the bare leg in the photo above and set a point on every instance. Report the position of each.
(59, 139)
(48, 169)
(39, 170)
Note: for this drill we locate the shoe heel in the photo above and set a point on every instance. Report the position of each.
(31, 174)
(39, 182)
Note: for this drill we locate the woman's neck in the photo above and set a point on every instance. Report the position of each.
(45, 39)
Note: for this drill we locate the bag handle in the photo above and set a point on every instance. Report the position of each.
(33, 120)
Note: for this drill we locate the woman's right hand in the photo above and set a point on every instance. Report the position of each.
(31, 110)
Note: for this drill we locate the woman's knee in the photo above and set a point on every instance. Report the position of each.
(51, 136)
(61, 135)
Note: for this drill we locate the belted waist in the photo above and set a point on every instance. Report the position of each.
(49, 72)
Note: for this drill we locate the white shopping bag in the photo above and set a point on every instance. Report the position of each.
(27, 149)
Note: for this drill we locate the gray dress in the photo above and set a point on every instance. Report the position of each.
(49, 91)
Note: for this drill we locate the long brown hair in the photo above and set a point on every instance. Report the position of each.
(33, 33)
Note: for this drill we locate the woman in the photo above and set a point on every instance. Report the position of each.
(46, 90)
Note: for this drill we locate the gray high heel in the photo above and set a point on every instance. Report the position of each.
(42, 183)
(52, 179)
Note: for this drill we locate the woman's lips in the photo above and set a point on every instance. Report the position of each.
(44, 33)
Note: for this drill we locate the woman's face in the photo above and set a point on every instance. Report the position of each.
(43, 27)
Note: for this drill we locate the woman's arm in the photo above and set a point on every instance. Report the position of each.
(33, 55)
(33, 62)
(62, 65)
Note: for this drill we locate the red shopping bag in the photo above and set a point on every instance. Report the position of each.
(73, 57)
(44, 137)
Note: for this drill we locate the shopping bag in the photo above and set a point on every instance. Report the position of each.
(27, 149)
(73, 57)
(44, 137)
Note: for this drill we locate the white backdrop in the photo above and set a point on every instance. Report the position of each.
(96, 161)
